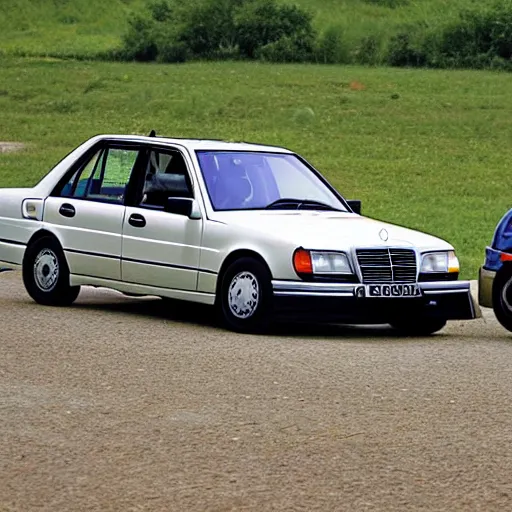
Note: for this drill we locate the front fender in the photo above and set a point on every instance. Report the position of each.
(502, 239)
(220, 241)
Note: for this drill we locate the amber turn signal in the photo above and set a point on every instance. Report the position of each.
(302, 262)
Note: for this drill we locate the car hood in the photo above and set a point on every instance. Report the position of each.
(330, 230)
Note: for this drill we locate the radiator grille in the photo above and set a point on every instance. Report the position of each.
(387, 265)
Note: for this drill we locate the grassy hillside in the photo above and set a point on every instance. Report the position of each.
(67, 27)
(358, 18)
(86, 27)
(426, 149)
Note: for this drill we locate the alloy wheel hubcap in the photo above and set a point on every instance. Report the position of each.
(243, 295)
(46, 270)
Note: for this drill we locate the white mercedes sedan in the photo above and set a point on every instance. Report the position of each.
(253, 230)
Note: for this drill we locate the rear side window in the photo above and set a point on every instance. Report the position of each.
(104, 177)
(83, 174)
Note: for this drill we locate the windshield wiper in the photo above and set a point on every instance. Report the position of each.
(297, 204)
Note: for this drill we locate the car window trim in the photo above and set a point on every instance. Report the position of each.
(316, 172)
(76, 167)
(104, 159)
(161, 148)
(103, 146)
(101, 156)
(76, 177)
(104, 200)
(324, 180)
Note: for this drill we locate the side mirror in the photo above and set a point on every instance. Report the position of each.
(183, 206)
(355, 205)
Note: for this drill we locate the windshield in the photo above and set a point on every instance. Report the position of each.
(255, 180)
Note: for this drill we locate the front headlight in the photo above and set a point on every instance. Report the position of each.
(321, 262)
(330, 263)
(444, 261)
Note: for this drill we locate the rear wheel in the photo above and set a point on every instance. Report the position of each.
(418, 326)
(46, 274)
(245, 296)
(502, 297)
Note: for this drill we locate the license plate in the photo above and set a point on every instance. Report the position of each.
(393, 290)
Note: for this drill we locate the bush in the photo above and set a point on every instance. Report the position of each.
(269, 30)
(173, 52)
(139, 42)
(370, 50)
(160, 10)
(285, 49)
(220, 29)
(209, 26)
(264, 22)
(477, 39)
(404, 50)
(331, 47)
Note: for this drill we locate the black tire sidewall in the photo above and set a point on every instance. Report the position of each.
(62, 294)
(503, 314)
(260, 319)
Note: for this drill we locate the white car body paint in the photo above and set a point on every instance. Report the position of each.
(96, 228)
(171, 241)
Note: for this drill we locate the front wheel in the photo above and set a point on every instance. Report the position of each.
(418, 326)
(245, 295)
(46, 274)
(502, 297)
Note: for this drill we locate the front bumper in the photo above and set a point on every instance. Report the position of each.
(485, 283)
(450, 300)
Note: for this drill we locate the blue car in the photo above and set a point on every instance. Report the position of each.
(495, 276)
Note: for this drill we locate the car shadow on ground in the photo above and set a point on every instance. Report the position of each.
(106, 300)
(202, 315)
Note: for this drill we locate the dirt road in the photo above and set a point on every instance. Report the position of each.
(118, 404)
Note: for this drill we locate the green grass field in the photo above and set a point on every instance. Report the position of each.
(426, 149)
(86, 27)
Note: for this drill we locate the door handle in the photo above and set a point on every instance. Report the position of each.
(136, 220)
(67, 210)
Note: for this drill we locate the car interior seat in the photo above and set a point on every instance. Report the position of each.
(233, 187)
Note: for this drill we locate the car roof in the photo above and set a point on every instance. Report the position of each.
(198, 144)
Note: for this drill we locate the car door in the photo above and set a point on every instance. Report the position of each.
(160, 248)
(87, 213)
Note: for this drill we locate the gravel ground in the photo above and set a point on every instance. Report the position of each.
(118, 404)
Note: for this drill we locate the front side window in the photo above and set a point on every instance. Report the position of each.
(166, 176)
(256, 180)
(104, 177)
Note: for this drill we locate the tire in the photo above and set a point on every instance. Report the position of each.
(46, 274)
(244, 298)
(502, 297)
(418, 326)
